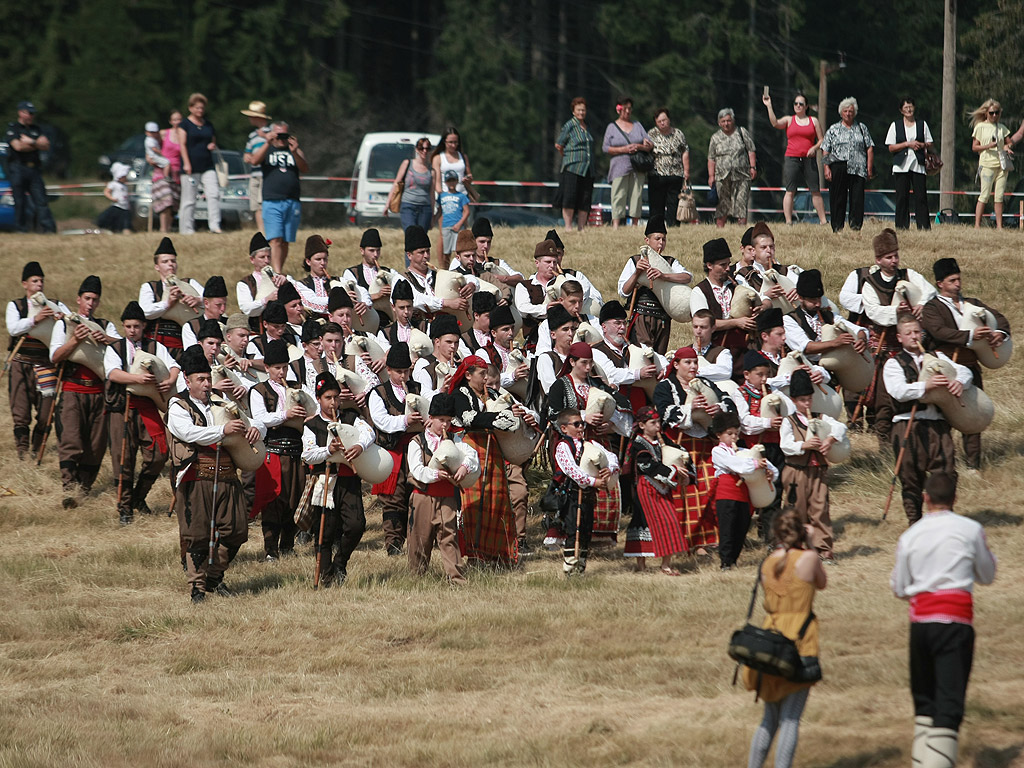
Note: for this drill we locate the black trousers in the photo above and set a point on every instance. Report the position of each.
(588, 500)
(663, 196)
(940, 664)
(766, 517)
(842, 188)
(27, 187)
(905, 183)
(733, 524)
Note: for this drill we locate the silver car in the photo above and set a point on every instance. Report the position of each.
(234, 199)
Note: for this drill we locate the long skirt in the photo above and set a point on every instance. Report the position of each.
(488, 523)
(696, 516)
(638, 532)
(666, 534)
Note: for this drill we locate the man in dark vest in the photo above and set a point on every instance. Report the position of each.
(158, 296)
(531, 299)
(369, 269)
(248, 287)
(421, 277)
(215, 303)
(714, 293)
(803, 325)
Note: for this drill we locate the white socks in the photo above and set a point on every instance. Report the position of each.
(940, 749)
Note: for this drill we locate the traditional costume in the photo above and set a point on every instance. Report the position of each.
(654, 529)
(154, 303)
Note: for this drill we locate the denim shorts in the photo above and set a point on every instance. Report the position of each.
(281, 219)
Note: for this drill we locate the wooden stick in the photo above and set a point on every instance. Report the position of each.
(579, 515)
(10, 357)
(899, 460)
(124, 447)
(213, 512)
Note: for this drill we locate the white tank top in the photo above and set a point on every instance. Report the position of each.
(459, 167)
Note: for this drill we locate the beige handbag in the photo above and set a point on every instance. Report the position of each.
(220, 165)
(686, 209)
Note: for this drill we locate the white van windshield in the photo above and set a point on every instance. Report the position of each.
(386, 158)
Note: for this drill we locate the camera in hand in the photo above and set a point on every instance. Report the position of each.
(283, 136)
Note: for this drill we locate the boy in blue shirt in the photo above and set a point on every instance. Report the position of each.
(454, 213)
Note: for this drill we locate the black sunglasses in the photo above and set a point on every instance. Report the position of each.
(995, 111)
(574, 423)
(799, 103)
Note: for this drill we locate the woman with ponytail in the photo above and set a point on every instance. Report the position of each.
(790, 576)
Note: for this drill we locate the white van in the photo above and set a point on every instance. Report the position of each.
(377, 162)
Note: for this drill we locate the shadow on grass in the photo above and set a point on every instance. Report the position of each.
(840, 524)
(867, 759)
(861, 550)
(256, 584)
(991, 757)
(992, 518)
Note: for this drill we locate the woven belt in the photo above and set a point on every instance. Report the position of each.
(284, 446)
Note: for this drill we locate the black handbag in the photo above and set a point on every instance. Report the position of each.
(642, 162)
(553, 498)
(771, 652)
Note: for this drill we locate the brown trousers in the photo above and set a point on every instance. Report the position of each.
(519, 493)
(972, 443)
(806, 489)
(83, 438)
(194, 503)
(395, 512)
(929, 449)
(652, 331)
(435, 517)
(24, 397)
(137, 439)
(278, 517)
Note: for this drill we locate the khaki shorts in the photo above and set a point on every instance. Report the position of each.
(992, 179)
(255, 193)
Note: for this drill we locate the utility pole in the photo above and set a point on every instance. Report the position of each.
(822, 108)
(947, 174)
(750, 68)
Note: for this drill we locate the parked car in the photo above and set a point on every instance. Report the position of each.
(6, 203)
(379, 157)
(877, 205)
(500, 216)
(132, 153)
(234, 200)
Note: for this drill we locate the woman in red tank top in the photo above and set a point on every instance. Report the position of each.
(803, 137)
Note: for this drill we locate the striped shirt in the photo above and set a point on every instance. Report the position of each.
(578, 144)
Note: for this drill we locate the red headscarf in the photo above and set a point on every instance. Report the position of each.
(579, 350)
(473, 361)
(683, 353)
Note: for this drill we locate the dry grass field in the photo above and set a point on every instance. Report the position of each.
(104, 662)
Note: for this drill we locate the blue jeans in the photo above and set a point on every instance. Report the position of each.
(415, 214)
(28, 183)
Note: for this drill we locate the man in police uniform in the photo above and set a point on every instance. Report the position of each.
(24, 168)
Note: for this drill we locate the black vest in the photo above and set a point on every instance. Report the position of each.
(114, 394)
(390, 440)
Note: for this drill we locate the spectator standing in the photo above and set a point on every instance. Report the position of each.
(938, 561)
(908, 140)
(118, 216)
(671, 167)
(623, 138)
(989, 136)
(259, 120)
(167, 181)
(281, 161)
(24, 167)
(448, 156)
(576, 187)
(198, 139)
(418, 193)
(454, 207)
(849, 163)
(803, 137)
(732, 165)
(791, 576)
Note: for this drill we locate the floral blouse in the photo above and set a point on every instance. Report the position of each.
(668, 152)
(849, 145)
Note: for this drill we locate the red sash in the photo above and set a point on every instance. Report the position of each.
(732, 488)
(387, 487)
(440, 489)
(88, 383)
(268, 484)
(151, 420)
(947, 606)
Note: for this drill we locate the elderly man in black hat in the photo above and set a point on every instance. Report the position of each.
(803, 325)
(612, 354)
(649, 323)
(32, 381)
(199, 464)
(134, 423)
(215, 302)
(83, 434)
(940, 320)
(24, 169)
(387, 407)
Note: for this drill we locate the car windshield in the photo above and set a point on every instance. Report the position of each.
(385, 159)
(136, 144)
(235, 164)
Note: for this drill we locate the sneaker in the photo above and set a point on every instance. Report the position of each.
(198, 595)
(270, 559)
(126, 519)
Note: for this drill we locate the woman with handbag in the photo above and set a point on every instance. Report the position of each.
(412, 193)
(991, 140)
(671, 167)
(627, 143)
(909, 141)
(790, 576)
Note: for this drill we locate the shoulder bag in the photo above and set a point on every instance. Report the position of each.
(771, 652)
(395, 203)
(642, 162)
(686, 208)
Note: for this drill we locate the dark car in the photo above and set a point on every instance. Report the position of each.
(877, 205)
(6, 203)
(517, 217)
(132, 153)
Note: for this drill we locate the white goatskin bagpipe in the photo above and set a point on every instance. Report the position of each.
(673, 297)
(420, 345)
(360, 344)
(744, 299)
(180, 312)
(382, 304)
(447, 285)
(252, 376)
(594, 459)
(43, 330)
(374, 464)
(355, 383)
(416, 404)
(369, 322)
(640, 357)
(854, 371)
(695, 388)
(599, 401)
(520, 443)
(772, 278)
(760, 486)
(516, 358)
(587, 333)
(266, 287)
(144, 362)
(671, 456)
(449, 457)
(247, 458)
(975, 317)
(840, 450)
(970, 413)
(296, 396)
(88, 352)
(826, 399)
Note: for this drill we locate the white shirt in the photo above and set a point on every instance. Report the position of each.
(152, 308)
(793, 447)
(720, 370)
(112, 361)
(630, 269)
(750, 425)
(544, 332)
(942, 550)
(910, 163)
(258, 406)
(900, 389)
(18, 326)
(188, 336)
(792, 270)
(247, 304)
(424, 474)
(849, 295)
(546, 372)
(526, 307)
(180, 424)
(726, 461)
(317, 454)
(797, 339)
(383, 420)
(425, 300)
(886, 315)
